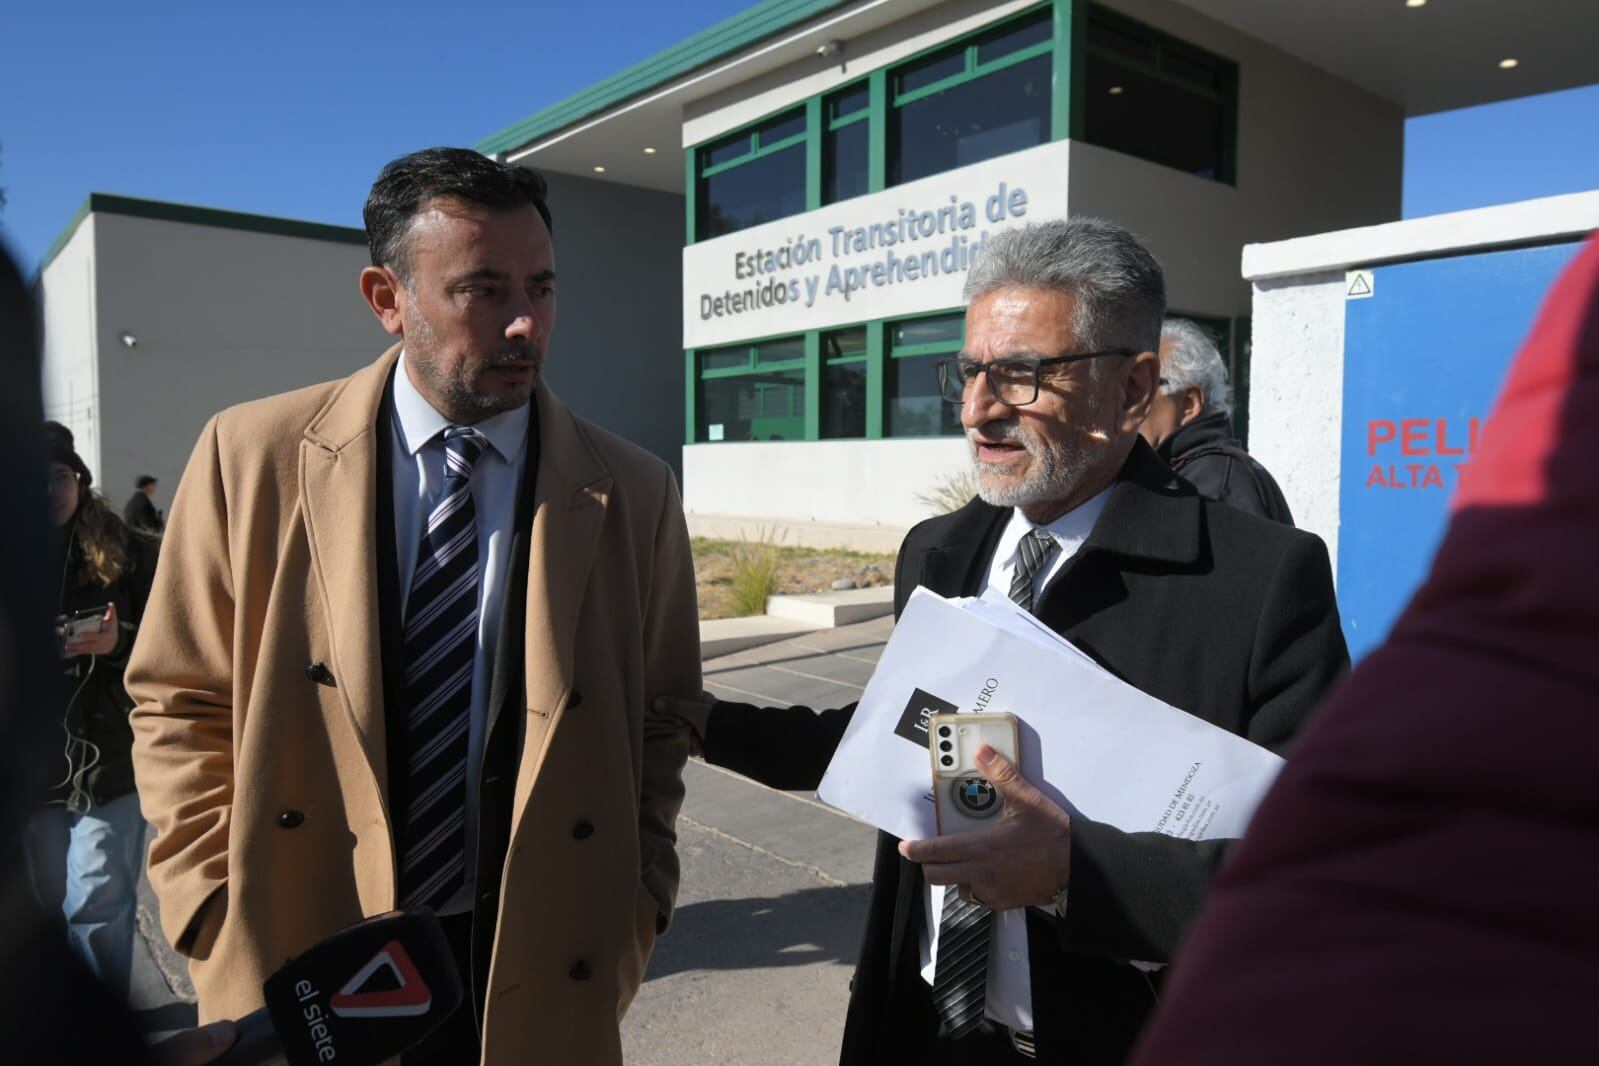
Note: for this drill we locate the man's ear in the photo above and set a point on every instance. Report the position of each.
(1193, 405)
(1140, 381)
(382, 291)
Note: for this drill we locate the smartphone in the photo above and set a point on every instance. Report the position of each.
(84, 623)
(962, 797)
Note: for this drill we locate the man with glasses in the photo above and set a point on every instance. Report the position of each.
(1225, 615)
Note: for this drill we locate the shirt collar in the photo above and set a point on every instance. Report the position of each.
(1070, 530)
(419, 422)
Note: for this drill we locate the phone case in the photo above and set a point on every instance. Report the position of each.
(962, 797)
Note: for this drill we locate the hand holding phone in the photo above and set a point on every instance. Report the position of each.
(962, 797)
(91, 631)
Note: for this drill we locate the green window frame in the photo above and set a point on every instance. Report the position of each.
(924, 352)
(768, 372)
(1171, 62)
(973, 65)
(758, 141)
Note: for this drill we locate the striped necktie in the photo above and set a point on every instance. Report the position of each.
(441, 625)
(960, 977)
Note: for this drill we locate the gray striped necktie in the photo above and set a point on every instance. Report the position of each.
(441, 624)
(960, 977)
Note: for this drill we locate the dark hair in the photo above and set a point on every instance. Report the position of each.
(407, 184)
(144, 479)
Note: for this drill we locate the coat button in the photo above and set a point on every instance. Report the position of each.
(582, 830)
(580, 971)
(290, 819)
(319, 673)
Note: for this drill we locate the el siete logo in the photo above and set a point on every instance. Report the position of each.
(404, 995)
(918, 712)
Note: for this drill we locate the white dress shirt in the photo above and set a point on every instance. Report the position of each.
(417, 462)
(1009, 998)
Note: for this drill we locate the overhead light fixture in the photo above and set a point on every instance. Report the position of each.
(1509, 64)
(649, 151)
(1116, 90)
(599, 170)
(1415, 3)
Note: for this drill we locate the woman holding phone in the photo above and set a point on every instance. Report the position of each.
(86, 847)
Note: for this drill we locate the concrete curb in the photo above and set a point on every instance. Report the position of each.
(793, 616)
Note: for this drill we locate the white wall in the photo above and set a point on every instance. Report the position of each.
(615, 357)
(222, 316)
(848, 482)
(1300, 291)
(70, 386)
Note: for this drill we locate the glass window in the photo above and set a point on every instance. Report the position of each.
(915, 409)
(947, 330)
(930, 70)
(845, 154)
(1013, 37)
(762, 190)
(988, 116)
(787, 350)
(844, 383)
(734, 147)
(850, 101)
(726, 358)
(782, 128)
(1157, 98)
(766, 406)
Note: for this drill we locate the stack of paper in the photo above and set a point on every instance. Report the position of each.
(1093, 743)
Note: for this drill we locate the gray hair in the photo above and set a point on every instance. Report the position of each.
(1189, 359)
(1119, 290)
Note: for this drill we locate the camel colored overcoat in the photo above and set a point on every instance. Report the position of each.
(269, 566)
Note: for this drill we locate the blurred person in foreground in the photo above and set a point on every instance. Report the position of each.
(1223, 614)
(1418, 886)
(403, 645)
(86, 847)
(46, 991)
(1190, 426)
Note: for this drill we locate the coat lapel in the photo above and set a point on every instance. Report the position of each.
(571, 494)
(338, 490)
(956, 567)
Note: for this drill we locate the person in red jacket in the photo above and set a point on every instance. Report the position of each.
(1420, 884)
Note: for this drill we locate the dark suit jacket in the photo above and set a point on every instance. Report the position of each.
(1223, 614)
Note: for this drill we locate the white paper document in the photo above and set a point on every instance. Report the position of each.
(1093, 743)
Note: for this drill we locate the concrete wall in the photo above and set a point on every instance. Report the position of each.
(1300, 295)
(1314, 153)
(616, 358)
(221, 316)
(70, 386)
(828, 482)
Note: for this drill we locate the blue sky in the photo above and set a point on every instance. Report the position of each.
(290, 108)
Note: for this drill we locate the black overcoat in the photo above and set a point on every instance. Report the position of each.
(1224, 614)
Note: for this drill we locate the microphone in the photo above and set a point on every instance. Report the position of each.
(360, 997)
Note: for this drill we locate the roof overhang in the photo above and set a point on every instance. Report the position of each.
(1442, 55)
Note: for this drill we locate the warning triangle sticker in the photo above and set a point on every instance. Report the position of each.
(411, 998)
(1359, 283)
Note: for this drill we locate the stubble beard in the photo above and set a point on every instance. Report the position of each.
(454, 387)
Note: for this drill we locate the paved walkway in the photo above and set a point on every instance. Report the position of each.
(756, 966)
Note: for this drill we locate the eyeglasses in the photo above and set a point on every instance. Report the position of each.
(1013, 381)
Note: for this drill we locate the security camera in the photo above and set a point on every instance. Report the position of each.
(830, 49)
(128, 340)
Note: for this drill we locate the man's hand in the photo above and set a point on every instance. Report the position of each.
(696, 712)
(1023, 860)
